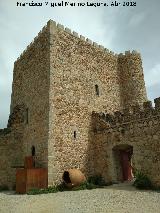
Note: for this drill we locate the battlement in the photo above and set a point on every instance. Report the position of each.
(81, 37)
(17, 116)
(52, 24)
(129, 53)
(130, 114)
(5, 131)
(44, 29)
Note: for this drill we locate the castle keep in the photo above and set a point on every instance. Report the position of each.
(80, 106)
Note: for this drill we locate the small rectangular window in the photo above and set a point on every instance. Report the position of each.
(75, 134)
(27, 116)
(97, 90)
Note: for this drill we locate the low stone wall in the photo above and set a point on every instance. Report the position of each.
(10, 157)
(141, 132)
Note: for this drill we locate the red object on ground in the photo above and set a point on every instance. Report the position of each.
(31, 178)
(29, 162)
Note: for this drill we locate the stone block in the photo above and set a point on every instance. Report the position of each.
(68, 30)
(89, 41)
(157, 104)
(60, 26)
(75, 34)
(101, 47)
(127, 52)
(82, 37)
(95, 44)
(147, 106)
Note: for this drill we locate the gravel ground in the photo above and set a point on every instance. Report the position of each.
(112, 199)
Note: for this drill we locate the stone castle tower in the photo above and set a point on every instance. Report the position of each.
(58, 81)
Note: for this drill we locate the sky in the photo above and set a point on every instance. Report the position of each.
(118, 28)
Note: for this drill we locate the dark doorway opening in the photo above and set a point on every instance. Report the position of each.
(123, 162)
(33, 150)
(125, 158)
(66, 177)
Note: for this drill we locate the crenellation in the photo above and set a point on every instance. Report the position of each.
(121, 55)
(89, 41)
(147, 106)
(35, 39)
(106, 50)
(39, 33)
(95, 44)
(82, 38)
(44, 28)
(134, 52)
(51, 26)
(127, 53)
(5, 131)
(68, 30)
(111, 52)
(60, 26)
(132, 113)
(157, 104)
(75, 34)
(101, 47)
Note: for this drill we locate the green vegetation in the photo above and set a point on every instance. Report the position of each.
(51, 189)
(97, 180)
(85, 185)
(92, 183)
(156, 189)
(142, 181)
(3, 188)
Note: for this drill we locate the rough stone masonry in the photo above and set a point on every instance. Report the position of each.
(75, 101)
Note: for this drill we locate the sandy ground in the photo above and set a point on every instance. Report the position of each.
(113, 199)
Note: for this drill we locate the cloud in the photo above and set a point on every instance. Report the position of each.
(137, 19)
(153, 91)
(153, 76)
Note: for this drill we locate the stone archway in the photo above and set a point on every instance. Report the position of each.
(122, 162)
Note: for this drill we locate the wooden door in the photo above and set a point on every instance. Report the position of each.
(126, 165)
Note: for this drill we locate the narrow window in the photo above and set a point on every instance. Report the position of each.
(27, 116)
(75, 135)
(97, 90)
(33, 150)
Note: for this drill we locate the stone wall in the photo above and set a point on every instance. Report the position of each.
(132, 83)
(139, 128)
(31, 88)
(76, 66)
(11, 157)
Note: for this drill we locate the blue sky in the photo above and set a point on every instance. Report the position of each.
(116, 28)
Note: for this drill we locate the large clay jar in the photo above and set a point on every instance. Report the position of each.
(73, 177)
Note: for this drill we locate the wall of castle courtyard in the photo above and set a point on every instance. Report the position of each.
(11, 156)
(141, 131)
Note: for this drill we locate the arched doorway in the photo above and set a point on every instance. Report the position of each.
(122, 162)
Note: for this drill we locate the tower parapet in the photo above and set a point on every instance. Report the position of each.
(51, 25)
(131, 76)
